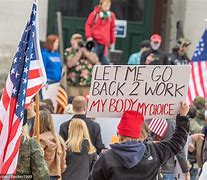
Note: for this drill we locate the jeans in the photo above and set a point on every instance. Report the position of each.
(168, 176)
(99, 50)
(193, 173)
(53, 178)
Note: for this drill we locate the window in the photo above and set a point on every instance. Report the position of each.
(75, 8)
(130, 10)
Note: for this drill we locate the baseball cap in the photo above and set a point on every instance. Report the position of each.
(156, 38)
(76, 36)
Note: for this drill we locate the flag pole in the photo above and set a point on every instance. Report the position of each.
(37, 118)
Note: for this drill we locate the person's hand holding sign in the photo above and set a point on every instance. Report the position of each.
(184, 108)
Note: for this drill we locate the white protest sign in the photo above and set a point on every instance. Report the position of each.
(154, 91)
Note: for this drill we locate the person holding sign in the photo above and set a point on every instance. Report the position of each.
(132, 158)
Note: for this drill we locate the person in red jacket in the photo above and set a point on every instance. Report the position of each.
(99, 28)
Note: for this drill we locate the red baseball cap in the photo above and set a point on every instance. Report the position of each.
(130, 124)
(156, 38)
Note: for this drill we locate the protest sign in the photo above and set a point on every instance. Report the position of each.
(154, 91)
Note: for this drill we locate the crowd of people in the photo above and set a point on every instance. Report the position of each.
(77, 151)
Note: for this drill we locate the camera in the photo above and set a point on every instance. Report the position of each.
(89, 45)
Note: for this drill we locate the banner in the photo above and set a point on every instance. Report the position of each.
(154, 91)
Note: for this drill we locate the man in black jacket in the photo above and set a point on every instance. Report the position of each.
(154, 56)
(79, 110)
(134, 159)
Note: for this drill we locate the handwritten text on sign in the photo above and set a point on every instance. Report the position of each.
(154, 91)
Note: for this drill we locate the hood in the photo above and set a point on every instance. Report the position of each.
(97, 9)
(129, 153)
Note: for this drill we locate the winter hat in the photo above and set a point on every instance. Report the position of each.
(156, 38)
(130, 124)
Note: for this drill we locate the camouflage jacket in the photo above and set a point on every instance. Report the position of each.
(31, 163)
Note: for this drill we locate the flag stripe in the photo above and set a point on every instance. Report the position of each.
(198, 79)
(204, 70)
(11, 132)
(194, 79)
(5, 99)
(33, 90)
(34, 82)
(61, 99)
(10, 160)
(35, 73)
(13, 139)
(200, 70)
(164, 130)
(152, 123)
(158, 126)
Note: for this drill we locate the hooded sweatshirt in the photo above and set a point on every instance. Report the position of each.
(129, 153)
(122, 163)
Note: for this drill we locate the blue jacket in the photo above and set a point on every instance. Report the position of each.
(53, 65)
(134, 58)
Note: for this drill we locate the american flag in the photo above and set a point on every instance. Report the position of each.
(198, 79)
(158, 126)
(62, 100)
(25, 79)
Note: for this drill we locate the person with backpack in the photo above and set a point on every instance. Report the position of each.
(100, 28)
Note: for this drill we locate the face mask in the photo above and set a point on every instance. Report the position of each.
(155, 46)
